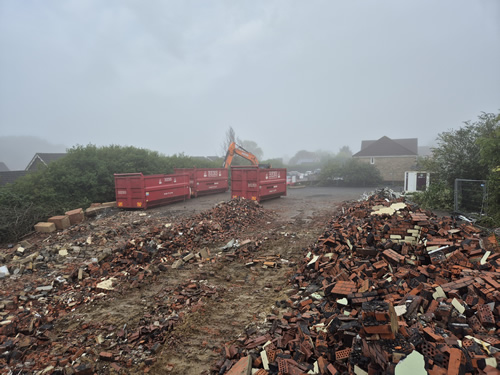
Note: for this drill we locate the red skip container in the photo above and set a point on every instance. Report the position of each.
(258, 184)
(134, 190)
(205, 181)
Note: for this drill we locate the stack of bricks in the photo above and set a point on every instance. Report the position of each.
(382, 286)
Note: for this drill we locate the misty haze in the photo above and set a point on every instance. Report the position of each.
(174, 76)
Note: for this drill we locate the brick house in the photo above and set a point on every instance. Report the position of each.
(392, 157)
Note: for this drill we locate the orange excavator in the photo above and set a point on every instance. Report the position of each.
(235, 149)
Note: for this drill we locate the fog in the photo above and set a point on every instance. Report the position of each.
(173, 76)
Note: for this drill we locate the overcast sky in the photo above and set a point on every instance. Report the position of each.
(172, 76)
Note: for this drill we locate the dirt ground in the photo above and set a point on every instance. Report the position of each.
(242, 294)
(248, 293)
(245, 294)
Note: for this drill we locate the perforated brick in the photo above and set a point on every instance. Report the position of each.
(343, 354)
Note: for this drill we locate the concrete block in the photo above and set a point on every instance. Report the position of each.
(45, 227)
(62, 222)
(75, 216)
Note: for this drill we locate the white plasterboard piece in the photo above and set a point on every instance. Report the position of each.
(412, 364)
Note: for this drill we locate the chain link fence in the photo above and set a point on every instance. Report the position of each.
(470, 196)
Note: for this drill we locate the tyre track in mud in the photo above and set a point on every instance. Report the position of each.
(250, 293)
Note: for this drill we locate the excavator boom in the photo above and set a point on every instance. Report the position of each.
(235, 149)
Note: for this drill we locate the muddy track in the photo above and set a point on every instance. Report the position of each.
(250, 294)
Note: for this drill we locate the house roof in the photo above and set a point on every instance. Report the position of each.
(3, 167)
(9, 177)
(389, 147)
(45, 158)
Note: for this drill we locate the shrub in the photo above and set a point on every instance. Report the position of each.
(437, 196)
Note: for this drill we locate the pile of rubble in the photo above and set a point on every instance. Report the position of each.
(386, 288)
(48, 276)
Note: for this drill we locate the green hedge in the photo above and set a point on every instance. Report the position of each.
(82, 177)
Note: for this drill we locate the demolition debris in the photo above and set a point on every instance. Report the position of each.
(385, 284)
(44, 279)
(385, 287)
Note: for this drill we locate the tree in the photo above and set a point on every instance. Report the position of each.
(489, 144)
(490, 157)
(470, 152)
(352, 172)
(230, 138)
(304, 157)
(324, 156)
(344, 153)
(332, 173)
(458, 154)
(274, 163)
(252, 147)
(358, 173)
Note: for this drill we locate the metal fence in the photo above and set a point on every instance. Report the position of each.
(470, 196)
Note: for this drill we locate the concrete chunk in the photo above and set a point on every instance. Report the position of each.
(457, 305)
(177, 263)
(439, 293)
(400, 310)
(4, 271)
(106, 284)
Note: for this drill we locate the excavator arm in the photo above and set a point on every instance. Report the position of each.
(234, 149)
